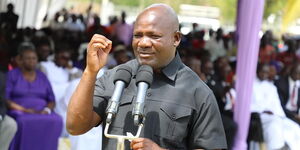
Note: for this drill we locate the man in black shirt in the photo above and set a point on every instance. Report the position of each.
(181, 111)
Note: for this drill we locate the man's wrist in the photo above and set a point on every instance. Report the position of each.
(89, 73)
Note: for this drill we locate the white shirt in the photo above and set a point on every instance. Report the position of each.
(216, 48)
(229, 99)
(265, 98)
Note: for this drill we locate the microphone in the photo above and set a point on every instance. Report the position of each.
(121, 80)
(144, 80)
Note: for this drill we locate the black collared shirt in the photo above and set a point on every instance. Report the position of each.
(181, 111)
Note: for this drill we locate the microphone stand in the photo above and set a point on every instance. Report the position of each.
(121, 138)
(144, 80)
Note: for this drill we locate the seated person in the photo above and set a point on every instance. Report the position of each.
(278, 130)
(60, 74)
(8, 126)
(289, 92)
(31, 101)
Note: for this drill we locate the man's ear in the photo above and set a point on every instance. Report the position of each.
(177, 38)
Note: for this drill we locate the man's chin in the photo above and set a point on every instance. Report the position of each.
(150, 63)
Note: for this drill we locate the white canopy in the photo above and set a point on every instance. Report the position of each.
(33, 10)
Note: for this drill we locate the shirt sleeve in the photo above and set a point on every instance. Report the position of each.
(99, 102)
(207, 129)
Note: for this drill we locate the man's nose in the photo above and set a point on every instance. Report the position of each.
(145, 42)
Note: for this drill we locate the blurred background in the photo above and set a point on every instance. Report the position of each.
(47, 40)
(279, 15)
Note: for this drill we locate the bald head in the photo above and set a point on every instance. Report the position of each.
(156, 36)
(161, 12)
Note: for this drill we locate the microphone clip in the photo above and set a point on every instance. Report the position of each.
(112, 109)
(138, 113)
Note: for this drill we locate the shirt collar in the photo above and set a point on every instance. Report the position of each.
(170, 71)
(293, 82)
(135, 66)
(172, 68)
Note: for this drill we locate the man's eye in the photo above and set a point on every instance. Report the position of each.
(137, 36)
(155, 36)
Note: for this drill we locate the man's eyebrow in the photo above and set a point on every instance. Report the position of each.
(147, 32)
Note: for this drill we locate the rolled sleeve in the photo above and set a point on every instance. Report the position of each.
(99, 101)
(208, 131)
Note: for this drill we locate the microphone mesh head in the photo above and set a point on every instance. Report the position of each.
(123, 73)
(144, 74)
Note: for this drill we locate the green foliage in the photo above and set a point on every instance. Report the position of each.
(126, 2)
(95, 1)
(274, 7)
(227, 7)
(228, 10)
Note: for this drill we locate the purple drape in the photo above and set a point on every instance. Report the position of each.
(249, 23)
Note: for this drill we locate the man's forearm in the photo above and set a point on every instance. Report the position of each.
(80, 110)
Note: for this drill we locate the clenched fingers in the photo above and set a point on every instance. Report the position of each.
(100, 42)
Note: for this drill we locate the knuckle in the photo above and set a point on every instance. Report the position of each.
(95, 35)
(95, 45)
(99, 36)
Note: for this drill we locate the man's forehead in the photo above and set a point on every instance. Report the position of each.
(151, 20)
(158, 16)
(154, 17)
(160, 7)
(149, 16)
(158, 10)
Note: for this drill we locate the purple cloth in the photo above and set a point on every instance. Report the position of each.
(35, 131)
(33, 94)
(249, 23)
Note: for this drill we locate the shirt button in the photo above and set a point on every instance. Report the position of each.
(173, 116)
(149, 94)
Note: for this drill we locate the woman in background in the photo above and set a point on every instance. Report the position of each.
(31, 101)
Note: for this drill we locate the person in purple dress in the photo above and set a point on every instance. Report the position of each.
(31, 101)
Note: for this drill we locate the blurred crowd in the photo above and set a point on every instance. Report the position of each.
(43, 67)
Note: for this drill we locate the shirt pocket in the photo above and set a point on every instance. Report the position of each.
(124, 111)
(173, 121)
(126, 98)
